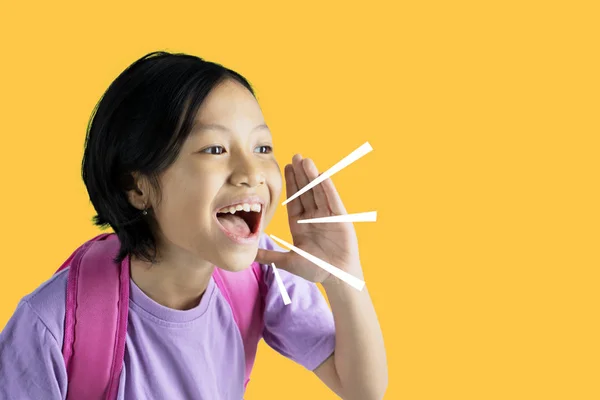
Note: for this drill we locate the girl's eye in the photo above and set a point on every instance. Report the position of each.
(214, 150)
(264, 149)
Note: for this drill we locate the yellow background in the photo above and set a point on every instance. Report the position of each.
(484, 119)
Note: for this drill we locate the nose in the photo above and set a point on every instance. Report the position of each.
(247, 172)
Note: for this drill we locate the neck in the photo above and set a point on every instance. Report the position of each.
(177, 281)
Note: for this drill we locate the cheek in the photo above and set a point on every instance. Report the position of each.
(275, 183)
(187, 200)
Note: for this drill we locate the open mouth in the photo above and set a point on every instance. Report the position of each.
(241, 221)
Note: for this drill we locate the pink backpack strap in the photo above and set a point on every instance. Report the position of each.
(95, 319)
(98, 301)
(244, 291)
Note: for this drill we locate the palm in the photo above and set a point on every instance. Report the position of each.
(335, 243)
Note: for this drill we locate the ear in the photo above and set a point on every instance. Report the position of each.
(137, 191)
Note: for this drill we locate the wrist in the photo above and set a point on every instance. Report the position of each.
(334, 284)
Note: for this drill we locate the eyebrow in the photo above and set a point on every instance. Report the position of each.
(198, 126)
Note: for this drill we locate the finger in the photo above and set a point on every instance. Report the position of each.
(283, 261)
(307, 198)
(333, 197)
(318, 192)
(280, 259)
(294, 207)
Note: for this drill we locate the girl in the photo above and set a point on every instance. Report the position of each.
(174, 144)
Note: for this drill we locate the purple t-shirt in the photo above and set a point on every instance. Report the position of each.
(170, 354)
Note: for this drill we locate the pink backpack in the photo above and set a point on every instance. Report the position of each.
(97, 312)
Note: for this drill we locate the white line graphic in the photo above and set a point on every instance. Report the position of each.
(370, 216)
(343, 275)
(284, 293)
(349, 159)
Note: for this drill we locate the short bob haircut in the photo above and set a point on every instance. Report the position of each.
(139, 125)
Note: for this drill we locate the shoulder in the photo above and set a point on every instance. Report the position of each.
(48, 303)
(31, 361)
(303, 330)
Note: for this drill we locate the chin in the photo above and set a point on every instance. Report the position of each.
(237, 261)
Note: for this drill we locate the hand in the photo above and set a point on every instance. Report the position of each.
(335, 243)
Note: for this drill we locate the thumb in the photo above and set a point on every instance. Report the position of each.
(269, 256)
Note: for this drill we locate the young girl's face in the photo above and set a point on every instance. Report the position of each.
(227, 161)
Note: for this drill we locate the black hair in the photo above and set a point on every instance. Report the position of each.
(139, 125)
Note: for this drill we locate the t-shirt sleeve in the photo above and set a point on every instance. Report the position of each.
(304, 330)
(31, 361)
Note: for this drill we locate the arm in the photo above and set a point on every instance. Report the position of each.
(358, 368)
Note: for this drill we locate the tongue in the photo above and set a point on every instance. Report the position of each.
(234, 224)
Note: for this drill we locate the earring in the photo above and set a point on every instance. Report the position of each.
(144, 212)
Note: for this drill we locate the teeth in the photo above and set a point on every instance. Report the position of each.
(239, 207)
